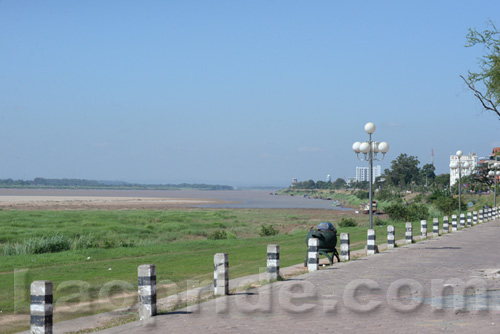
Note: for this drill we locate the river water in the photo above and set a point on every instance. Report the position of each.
(254, 199)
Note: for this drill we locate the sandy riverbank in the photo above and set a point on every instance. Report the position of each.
(22, 202)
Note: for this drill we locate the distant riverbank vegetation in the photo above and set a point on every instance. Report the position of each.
(405, 191)
(40, 182)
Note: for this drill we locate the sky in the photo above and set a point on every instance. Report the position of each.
(242, 93)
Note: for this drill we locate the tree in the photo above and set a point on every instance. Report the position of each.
(442, 181)
(489, 64)
(339, 183)
(404, 170)
(427, 174)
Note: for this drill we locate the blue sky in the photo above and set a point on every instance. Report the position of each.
(234, 92)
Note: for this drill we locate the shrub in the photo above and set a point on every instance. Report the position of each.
(407, 212)
(267, 230)
(347, 222)
(39, 245)
(85, 242)
(380, 222)
(362, 194)
(218, 235)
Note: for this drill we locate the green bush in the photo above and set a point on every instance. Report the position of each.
(380, 222)
(407, 212)
(267, 230)
(39, 245)
(347, 222)
(217, 235)
(362, 194)
(85, 242)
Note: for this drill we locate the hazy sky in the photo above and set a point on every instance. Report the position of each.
(234, 92)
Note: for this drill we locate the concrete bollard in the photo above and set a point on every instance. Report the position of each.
(41, 307)
(345, 247)
(446, 225)
(481, 216)
(391, 236)
(221, 274)
(494, 213)
(454, 226)
(409, 233)
(489, 214)
(147, 291)
(313, 254)
(474, 218)
(371, 245)
(423, 229)
(462, 220)
(469, 218)
(435, 227)
(273, 262)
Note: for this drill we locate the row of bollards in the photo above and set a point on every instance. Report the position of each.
(473, 218)
(41, 307)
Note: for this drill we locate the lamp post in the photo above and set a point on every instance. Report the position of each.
(459, 164)
(370, 150)
(494, 174)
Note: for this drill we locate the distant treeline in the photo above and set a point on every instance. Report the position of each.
(40, 182)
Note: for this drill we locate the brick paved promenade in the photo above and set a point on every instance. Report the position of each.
(362, 296)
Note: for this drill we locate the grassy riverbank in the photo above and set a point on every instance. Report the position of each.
(176, 241)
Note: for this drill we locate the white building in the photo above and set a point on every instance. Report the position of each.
(471, 158)
(351, 180)
(363, 173)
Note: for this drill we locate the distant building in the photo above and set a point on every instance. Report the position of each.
(350, 180)
(294, 182)
(493, 158)
(471, 158)
(329, 178)
(363, 173)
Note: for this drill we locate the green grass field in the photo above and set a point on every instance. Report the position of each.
(174, 240)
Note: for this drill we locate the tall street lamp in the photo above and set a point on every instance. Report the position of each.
(494, 174)
(459, 164)
(370, 150)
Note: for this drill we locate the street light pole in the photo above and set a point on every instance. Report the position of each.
(459, 165)
(370, 187)
(370, 150)
(495, 174)
(459, 185)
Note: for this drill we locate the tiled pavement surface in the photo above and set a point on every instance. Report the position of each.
(361, 296)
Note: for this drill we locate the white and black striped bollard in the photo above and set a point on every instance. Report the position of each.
(469, 218)
(147, 291)
(390, 236)
(446, 224)
(313, 254)
(345, 247)
(221, 274)
(454, 226)
(273, 262)
(409, 233)
(423, 229)
(481, 216)
(371, 245)
(462, 220)
(489, 214)
(474, 218)
(41, 307)
(435, 227)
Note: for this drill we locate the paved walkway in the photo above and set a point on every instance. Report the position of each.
(420, 288)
